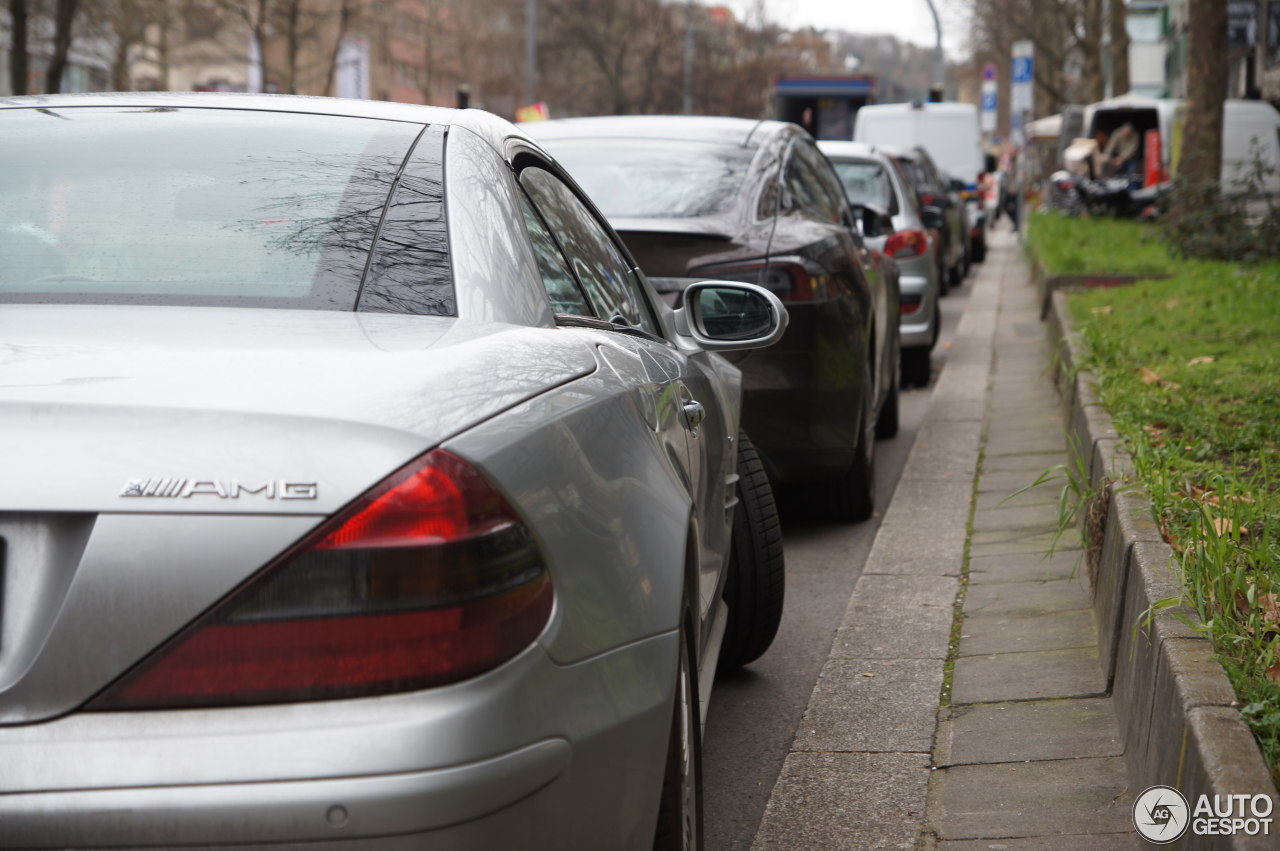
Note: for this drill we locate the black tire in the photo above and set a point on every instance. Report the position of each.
(680, 806)
(955, 276)
(944, 282)
(979, 249)
(887, 423)
(756, 583)
(916, 366)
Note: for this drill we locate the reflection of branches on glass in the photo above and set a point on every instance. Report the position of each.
(332, 216)
(410, 271)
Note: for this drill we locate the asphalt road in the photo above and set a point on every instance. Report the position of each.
(755, 712)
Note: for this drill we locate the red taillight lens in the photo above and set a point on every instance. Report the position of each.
(927, 199)
(910, 304)
(427, 579)
(788, 279)
(906, 243)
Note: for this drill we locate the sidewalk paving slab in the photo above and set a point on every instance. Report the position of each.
(873, 706)
(1037, 675)
(985, 634)
(1042, 798)
(1026, 567)
(1027, 598)
(1029, 730)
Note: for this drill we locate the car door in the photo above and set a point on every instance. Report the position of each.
(593, 286)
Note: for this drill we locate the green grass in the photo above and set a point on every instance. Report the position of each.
(1067, 246)
(1189, 369)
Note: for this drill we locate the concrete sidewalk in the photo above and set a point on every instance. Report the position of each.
(1016, 745)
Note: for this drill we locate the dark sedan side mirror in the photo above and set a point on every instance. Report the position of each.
(932, 217)
(726, 316)
(873, 221)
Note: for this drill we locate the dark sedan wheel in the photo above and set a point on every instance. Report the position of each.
(887, 423)
(757, 574)
(916, 366)
(979, 249)
(680, 808)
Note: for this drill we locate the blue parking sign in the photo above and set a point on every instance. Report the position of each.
(1023, 67)
(988, 101)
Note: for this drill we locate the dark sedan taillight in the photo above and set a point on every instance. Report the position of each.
(427, 579)
(788, 278)
(906, 243)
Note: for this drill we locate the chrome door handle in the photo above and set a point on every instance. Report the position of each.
(694, 413)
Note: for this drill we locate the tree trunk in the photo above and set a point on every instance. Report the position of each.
(19, 59)
(1091, 46)
(344, 21)
(293, 15)
(63, 16)
(1119, 48)
(1206, 90)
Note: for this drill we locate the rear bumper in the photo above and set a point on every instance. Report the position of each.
(373, 773)
(916, 328)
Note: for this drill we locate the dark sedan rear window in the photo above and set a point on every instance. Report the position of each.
(655, 178)
(195, 206)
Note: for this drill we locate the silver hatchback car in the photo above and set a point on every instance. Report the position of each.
(358, 490)
(870, 177)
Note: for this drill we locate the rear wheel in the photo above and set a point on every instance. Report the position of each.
(680, 808)
(980, 249)
(756, 582)
(887, 424)
(916, 366)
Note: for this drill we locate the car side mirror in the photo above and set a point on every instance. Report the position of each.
(932, 217)
(724, 316)
(873, 221)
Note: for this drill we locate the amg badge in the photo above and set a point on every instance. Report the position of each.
(174, 488)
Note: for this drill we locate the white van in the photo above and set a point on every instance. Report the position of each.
(1245, 124)
(948, 131)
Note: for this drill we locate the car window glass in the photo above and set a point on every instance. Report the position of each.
(193, 206)
(647, 178)
(410, 272)
(867, 182)
(828, 184)
(559, 282)
(606, 278)
(806, 188)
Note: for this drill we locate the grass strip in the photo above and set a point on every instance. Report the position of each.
(1189, 369)
(1067, 246)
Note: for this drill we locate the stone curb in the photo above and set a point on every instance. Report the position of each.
(1178, 715)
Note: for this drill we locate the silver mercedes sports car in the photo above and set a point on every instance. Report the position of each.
(357, 489)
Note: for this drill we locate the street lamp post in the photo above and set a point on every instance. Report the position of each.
(939, 72)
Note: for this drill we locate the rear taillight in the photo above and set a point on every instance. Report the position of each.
(910, 304)
(788, 278)
(927, 199)
(427, 579)
(906, 243)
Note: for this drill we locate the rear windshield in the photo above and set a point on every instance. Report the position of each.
(655, 178)
(192, 206)
(866, 183)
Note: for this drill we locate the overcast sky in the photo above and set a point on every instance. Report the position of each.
(909, 20)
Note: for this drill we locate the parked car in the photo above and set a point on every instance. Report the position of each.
(950, 134)
(870, 178)
(942, 209)
(756, 201)
(358, 489)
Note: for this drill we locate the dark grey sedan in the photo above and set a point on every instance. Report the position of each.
(756, 201)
